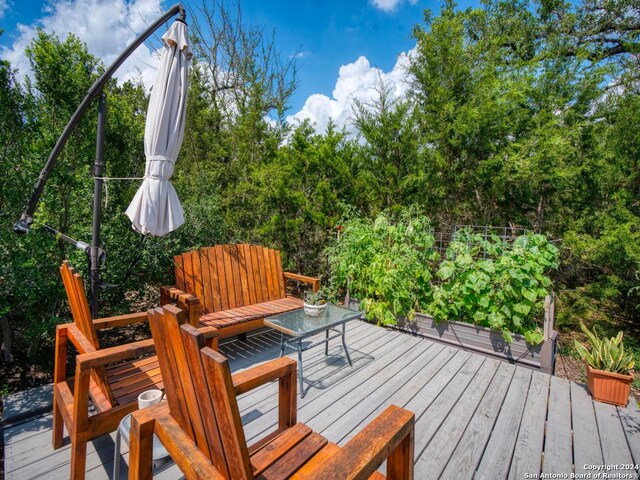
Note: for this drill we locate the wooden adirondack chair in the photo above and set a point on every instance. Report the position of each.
(237, 285)
(111, 377)
(201, 427)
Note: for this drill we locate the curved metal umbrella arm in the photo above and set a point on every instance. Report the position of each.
(23, 225)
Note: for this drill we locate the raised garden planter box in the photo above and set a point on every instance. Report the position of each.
(484, 340)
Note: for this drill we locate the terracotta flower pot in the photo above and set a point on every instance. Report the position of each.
(609, 387)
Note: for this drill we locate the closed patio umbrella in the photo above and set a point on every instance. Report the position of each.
(155, 208)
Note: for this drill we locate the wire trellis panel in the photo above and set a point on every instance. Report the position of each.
(506, 234)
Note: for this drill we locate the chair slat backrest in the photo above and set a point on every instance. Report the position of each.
(225, 404)
(78, 303)
(188, 393)
(81, 313)
(230, 276)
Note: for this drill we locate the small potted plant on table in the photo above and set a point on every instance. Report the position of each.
(314, 303)
(608, 368)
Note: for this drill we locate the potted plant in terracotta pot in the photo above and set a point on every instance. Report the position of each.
(314, 303)
(608, 368)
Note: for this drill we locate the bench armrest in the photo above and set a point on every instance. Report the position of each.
(184, 301)
(388, 437)
(169, 293)
(120, 320)
(315, 282)
(211, 337)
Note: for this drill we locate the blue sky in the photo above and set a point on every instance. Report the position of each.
(344, 46)
(330, 34)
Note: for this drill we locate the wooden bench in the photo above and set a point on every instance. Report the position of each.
(237, 285)
(200, 424)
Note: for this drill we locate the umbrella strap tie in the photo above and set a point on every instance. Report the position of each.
(156, 177)
(106, 180)
(160, 158)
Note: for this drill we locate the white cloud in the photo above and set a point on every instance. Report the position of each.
(389, 5)
(106, 26)
(356, 81)
(4, 6)
(302, 54)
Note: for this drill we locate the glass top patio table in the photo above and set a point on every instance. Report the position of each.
(297, 324)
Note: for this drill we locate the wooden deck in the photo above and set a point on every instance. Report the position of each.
(476, 417)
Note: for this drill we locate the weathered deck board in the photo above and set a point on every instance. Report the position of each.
(356, 407)
(558, 456)
(630, 418)
(586, 442)
(433, 459)
(384, 349)
(439, 409)
(615, 449)
(368, 391)
(497, 456)
(469, 450)
(529, 445)
(315, 360)
(475, 417)
(408, 390)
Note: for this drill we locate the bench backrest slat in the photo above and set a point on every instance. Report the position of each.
(230, 276)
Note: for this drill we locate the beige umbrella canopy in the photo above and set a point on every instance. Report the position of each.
(155, 208)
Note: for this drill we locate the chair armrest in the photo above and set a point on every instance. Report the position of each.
(91, 358)
(315, 282)
(146, 417)
(261, 374)
(82, 343)
(184, 451)
(120, 320)
(105, 356)
(363, 454)
(282, 369)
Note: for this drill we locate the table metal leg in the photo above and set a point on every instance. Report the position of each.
(326, 343)
(281, 344)
(300, 368)
(344, 344)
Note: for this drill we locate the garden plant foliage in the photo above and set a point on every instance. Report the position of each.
(605, 354)
(386, 265)
(496, 284)
(389, 267)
